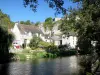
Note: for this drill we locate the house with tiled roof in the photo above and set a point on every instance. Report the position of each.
(24, 33)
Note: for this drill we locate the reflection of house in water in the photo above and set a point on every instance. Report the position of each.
(24, 33)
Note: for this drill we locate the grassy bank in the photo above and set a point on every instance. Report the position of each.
(28, 54)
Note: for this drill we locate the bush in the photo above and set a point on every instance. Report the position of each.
(34, 42)
(59, 52)
(41, 54)
(52, 49)
(50, 55)
(64, 47)
(67, 52)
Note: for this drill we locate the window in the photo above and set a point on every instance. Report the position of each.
(60, 42)
(73, 41)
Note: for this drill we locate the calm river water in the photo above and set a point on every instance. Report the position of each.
(58, 66)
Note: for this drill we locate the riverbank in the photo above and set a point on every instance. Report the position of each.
(28, 54)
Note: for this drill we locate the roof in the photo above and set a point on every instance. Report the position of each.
(29, 28)
(72, 34)
(56, 38)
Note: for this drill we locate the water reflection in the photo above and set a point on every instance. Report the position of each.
(4, 69)
(58, 66)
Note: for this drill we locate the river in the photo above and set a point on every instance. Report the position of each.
(57, 66)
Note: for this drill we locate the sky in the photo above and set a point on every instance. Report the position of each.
(17, 12)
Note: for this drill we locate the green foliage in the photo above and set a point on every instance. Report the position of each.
(34, 42)
(55, 4)
(40, 54)
(37, 23)
(52, 49)
(87, 26)
(21, 57)
(48, 24)
(85, 45)
(5, 37)
(10, 39)
(50, 55)
(5, 21)
(26, 22)
(22, 22)
(5, 41)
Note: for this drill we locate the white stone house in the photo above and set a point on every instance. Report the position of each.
(24, 33)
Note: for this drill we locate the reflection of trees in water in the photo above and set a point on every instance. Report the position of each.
(43, 67)
(4, 69)
(86, 62)
(58, 66)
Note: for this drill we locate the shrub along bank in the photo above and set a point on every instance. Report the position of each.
(56, 51)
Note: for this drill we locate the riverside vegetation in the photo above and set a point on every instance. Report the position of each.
(41, 49)
(48, 52)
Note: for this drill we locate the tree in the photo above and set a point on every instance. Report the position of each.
(67, 24)
(5, 20)
(34, 42)
(6, 40)
(88, 27)
(55, 4)
(5, 37)
(49, 24)
(26, 22)
(22, 22)
(37, 23)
